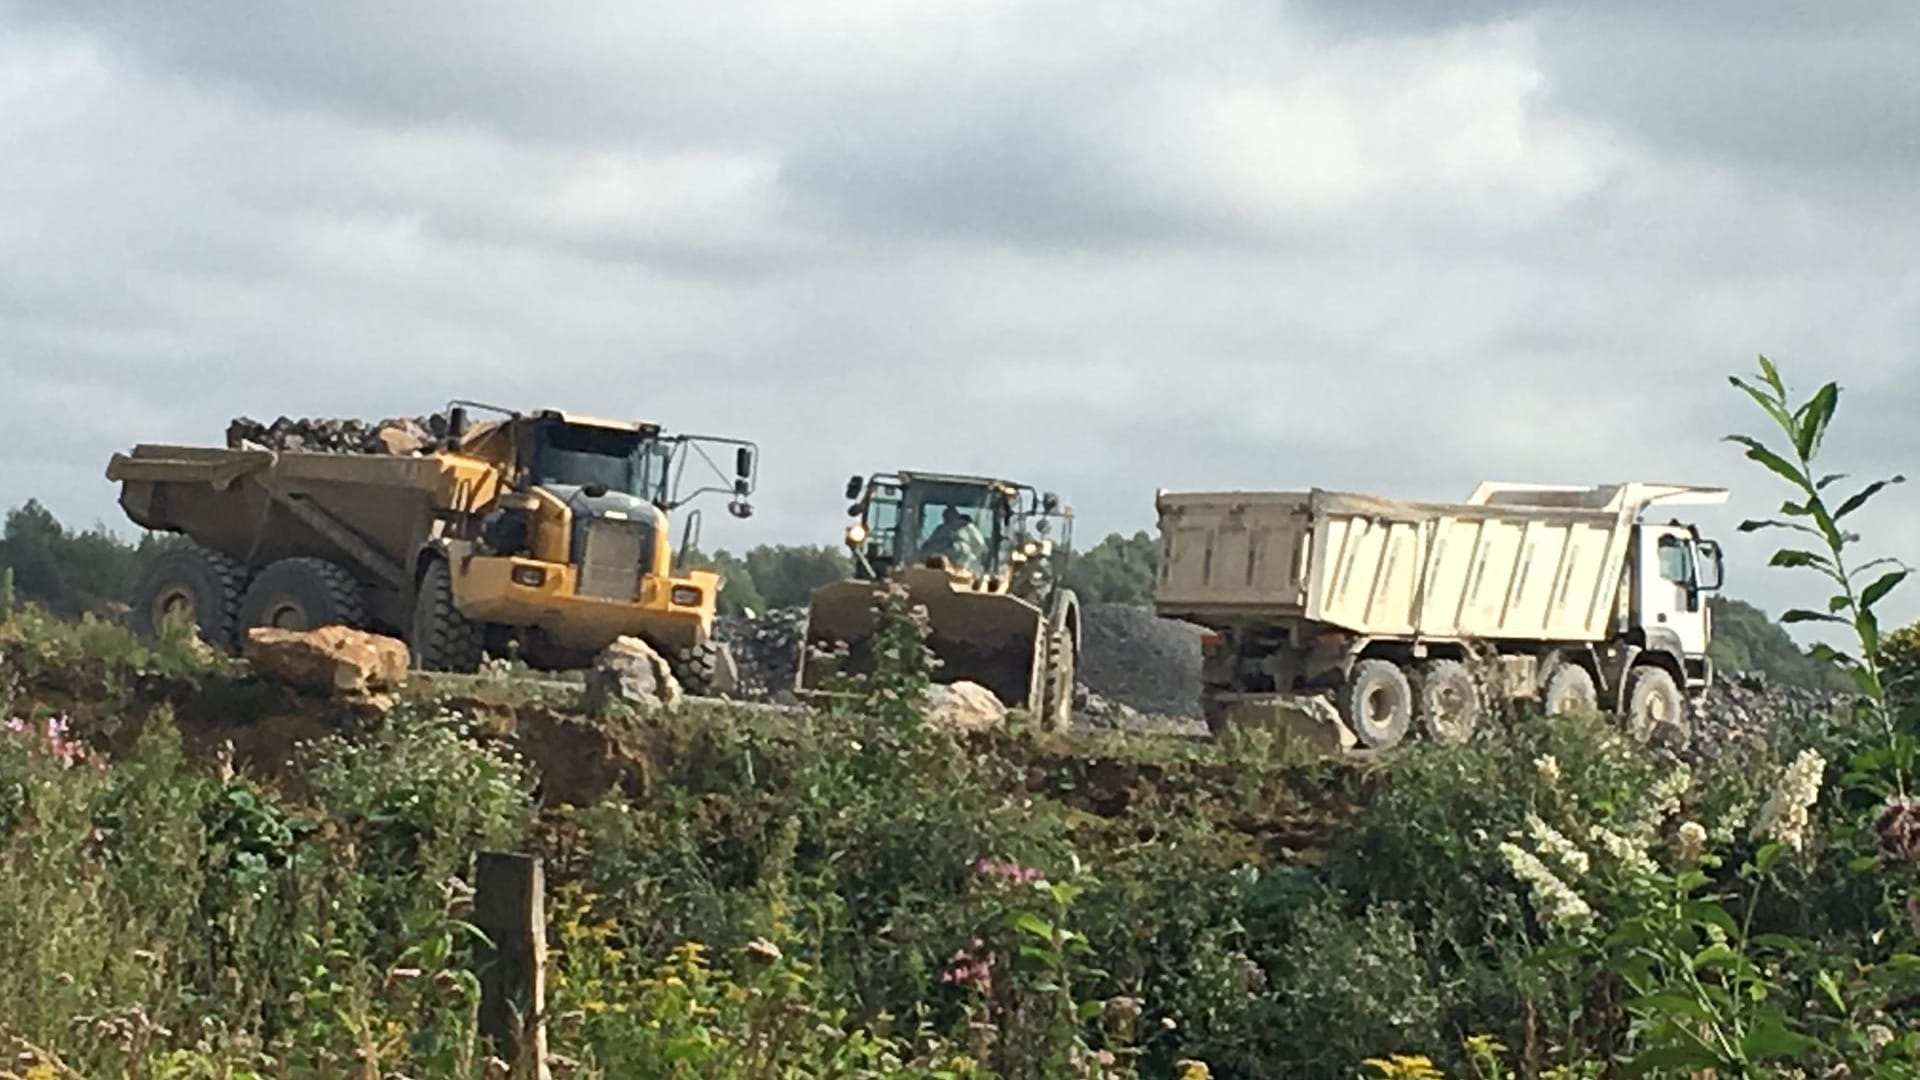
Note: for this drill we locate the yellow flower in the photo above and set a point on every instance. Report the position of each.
(1406, 1067)
(1192, 1070)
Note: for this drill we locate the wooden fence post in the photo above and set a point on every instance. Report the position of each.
(509, 906)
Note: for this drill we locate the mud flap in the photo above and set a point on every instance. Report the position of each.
(994, 640)
(1309, 721)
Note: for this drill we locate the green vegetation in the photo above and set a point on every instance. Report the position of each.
(71, 572)
(856, 893)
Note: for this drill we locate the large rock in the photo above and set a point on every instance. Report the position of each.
(630, 671)
(964, 706)
(336, 659)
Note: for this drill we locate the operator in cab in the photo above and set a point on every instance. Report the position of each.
(958, 539)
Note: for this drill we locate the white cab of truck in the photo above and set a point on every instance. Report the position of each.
(1398, 611)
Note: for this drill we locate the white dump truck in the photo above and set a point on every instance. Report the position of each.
(1356, 615)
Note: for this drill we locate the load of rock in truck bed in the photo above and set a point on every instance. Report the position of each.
(405, 436)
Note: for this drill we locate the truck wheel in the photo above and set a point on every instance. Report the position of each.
(706, 670)
(1450, 704)
(1655, 707)
(1377, 704)
(195, 583)
(1569, 690)
(303, 594)
(1057, 708)
(442, 638)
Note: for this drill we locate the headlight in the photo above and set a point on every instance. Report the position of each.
(686, 596)
(1030, 549)
(531, 576)
(856, 534)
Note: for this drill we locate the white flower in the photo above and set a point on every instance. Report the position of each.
(1787, 815)
(1549, 769)
(1630, 854)
(1691, 841)
(1558, 903)
(1664, 797)
(1561, 849)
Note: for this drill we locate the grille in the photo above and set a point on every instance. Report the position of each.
(610, 559)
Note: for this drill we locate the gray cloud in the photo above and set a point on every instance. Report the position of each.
(1108, 248)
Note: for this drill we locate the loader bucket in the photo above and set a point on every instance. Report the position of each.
(991, 639)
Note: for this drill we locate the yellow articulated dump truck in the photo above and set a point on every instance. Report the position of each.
(543, 531)
(1369, 614)
(984, 558)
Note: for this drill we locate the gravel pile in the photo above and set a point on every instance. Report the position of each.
(1132, 658)
(1748, 707)
(766, 650)
(403, 436)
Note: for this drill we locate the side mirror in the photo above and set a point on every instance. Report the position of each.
(743, 463)
(456, 424)
(1050, 502)
(1709, 566)
(740, 508)
(855, 485)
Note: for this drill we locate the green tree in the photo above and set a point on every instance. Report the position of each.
(1117, 570)
(1746, 639)
(738, 593)
(70, 572)
(787, 574)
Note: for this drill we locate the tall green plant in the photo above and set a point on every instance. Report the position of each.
(1811, 514)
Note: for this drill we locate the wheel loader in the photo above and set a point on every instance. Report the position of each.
(984, 557)
(544, 532)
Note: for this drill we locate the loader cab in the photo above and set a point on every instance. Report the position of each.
(910, 518)
(1673, 570)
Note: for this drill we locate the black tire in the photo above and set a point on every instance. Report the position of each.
(1377, 704)
(705, 670)
(442, 638)
(1057, 681)
(303, 594)
(194, 582)
(1214, 713)
(1450, 703)
(1655, 706)
(1569, 689)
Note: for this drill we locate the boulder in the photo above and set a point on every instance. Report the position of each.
(400, 441)
(336, 659)
(964, 706)
(630, 671)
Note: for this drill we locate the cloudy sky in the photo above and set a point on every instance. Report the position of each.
(1106, 246)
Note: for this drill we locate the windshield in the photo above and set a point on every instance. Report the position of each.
(625, 461)
(957, 520)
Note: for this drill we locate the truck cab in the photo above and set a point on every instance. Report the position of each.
(1673, 569)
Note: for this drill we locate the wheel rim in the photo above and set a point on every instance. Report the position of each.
(1452, 714)
(173, 603)
(1376, 712)
(287, 615)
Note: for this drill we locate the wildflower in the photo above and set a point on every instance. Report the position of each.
(1558, 903)
(1630, 855)
(1691, 842)
(1563, 850)
(1188, 1069)
(1665, 796)
(1879, 1036)
(763, 951)
(1549, 769)
(1786, 816)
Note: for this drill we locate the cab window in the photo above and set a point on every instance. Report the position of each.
(1676, 560)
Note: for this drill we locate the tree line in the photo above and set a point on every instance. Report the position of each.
(71, 572)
